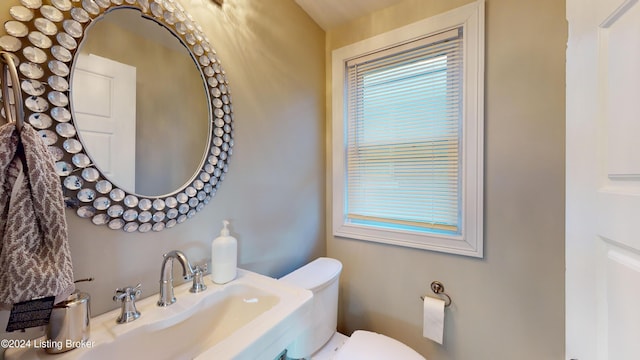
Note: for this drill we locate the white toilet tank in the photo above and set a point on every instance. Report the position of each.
(321, 277)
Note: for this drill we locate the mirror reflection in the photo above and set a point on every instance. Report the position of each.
(140, 104)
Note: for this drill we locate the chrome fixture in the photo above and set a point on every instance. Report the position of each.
(69, 324)
(166, 276)
(128, 297)
(10, 76)
(198, 279)
(438, 289)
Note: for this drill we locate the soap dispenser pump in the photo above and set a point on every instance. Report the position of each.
(224, 256)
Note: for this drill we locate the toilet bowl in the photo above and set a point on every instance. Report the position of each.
(320, 340)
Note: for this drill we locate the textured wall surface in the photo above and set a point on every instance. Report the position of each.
(509, 305)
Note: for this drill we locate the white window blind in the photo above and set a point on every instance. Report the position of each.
(403, 132)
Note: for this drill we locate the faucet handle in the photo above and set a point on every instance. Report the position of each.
(128, 293)
(201, 268)
(128, 296)
(198, 278)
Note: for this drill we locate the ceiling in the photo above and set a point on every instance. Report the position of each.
(331, 13)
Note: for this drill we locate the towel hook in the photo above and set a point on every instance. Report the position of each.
(9, 70)
(438, 289)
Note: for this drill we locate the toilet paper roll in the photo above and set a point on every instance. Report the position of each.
(433, 319)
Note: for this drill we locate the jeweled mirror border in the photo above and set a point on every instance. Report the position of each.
(99, 200)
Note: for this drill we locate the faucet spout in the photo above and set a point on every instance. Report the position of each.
(166, 275)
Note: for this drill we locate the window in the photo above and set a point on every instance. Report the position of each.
(408, 135)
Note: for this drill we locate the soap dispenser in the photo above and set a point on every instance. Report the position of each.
(224, 256)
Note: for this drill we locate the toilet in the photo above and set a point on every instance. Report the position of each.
(321, 341)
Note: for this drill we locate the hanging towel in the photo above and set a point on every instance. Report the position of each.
(35, 260)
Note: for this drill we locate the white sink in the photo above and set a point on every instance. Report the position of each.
(252, 317)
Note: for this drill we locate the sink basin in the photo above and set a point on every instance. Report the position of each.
(251, 317)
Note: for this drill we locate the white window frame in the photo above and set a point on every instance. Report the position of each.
(469, 241)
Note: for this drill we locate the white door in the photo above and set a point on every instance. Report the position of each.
(603, 180)
(104, 98)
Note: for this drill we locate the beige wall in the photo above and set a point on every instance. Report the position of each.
(274, 192)
(509, 305)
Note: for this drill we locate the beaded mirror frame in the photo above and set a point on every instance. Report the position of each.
(44, 38)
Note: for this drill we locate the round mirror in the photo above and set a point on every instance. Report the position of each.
(139, 104)
(178, 120)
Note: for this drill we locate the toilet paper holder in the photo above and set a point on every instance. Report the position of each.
(438, 289)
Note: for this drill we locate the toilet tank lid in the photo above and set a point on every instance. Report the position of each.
(315, 275)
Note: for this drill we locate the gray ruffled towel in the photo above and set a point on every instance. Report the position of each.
(35, 260)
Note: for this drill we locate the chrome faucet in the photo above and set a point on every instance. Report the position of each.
(166, 276)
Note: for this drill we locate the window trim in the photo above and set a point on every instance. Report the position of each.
(470, 241)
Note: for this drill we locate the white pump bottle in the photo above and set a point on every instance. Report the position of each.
(224, 256)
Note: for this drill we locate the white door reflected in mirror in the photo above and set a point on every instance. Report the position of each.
(105, 114)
